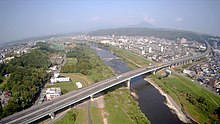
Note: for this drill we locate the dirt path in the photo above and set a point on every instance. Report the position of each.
(170, 102)
(89, 113)
(103, 113)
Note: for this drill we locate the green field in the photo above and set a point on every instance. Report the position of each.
(75, 116)
(84, 60)
(195, 100)
(133, 60)
(96, 115)
(123, 109)
(71, 61)
(70, 86)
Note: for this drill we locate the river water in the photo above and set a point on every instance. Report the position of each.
(151, 102)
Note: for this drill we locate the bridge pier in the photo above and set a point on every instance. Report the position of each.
(91, 98)
(154, 72)
(52, 115)
(129, 83)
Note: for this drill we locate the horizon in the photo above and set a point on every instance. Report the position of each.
(27, 19)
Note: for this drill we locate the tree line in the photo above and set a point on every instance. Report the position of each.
(27, 74)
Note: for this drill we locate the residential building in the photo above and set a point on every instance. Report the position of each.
(52, 93)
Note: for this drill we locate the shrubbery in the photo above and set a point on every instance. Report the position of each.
(27, 76)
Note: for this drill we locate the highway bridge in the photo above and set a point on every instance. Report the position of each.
(49, 108)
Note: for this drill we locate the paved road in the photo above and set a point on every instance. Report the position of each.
(39, 111)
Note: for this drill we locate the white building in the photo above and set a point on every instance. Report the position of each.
(53, 68)
(59, 79)
(52, 93)
(148, 49)
(183, 40)
(78, 84)
(186, 71)
(56, 75)
(105, 41)
(142, 52)
(161, 48)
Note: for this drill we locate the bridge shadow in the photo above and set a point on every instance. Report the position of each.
(104, 92)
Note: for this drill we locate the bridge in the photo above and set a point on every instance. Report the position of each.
(49, 108)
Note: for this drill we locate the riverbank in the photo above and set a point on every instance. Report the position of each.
(195, 101)
(133, 60)
(118, 105)
(170, 102)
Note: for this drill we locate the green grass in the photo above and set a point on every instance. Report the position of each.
(71, 61)
(119, 104)
(96, 115)
(70, 86)
(133, 60)
(187, 94)
(97, 70)
(81, 117)
(123, 109)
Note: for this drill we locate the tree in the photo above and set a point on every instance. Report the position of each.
(1, 111)
(217, 111)
(64, 91)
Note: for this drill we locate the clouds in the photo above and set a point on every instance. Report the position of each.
(178, 19)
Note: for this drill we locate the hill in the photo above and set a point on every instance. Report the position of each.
(156, 32)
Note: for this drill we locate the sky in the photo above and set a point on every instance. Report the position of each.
(30, 18)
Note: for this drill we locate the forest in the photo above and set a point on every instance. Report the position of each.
(27, 74)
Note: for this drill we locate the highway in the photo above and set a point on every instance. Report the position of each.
(36, 112)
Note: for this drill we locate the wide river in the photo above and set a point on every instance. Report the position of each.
(151, 102)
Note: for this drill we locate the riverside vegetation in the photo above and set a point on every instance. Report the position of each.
(195, 100)
(87, 62)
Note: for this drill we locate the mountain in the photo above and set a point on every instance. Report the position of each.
(142, 24)
(171, 34)
(38, 38)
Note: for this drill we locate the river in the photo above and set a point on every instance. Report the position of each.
(151, 102)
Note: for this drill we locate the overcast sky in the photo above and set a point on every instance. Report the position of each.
(27, 18)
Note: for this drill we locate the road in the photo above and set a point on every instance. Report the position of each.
(36, 112)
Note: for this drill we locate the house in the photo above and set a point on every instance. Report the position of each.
(4, 97)
(185, 71)
(53, 68)
(212, 82)
(52, 93)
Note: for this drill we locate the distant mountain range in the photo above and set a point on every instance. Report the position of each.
(37, 38)
(132, 30)
(142, 24)
(171, 34)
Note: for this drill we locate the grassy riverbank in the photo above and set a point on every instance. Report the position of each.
(133, 60)
(195, 100)
(120, 107)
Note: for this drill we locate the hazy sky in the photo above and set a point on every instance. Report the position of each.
(27, 18)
